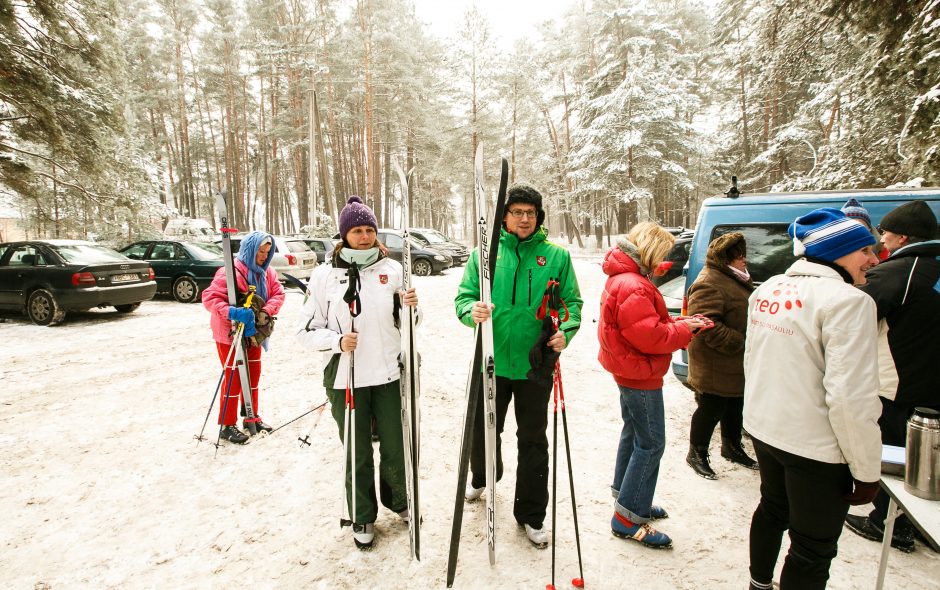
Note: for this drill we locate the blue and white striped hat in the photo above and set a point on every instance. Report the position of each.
(828, 234)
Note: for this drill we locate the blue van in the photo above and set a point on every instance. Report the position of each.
(763, 219)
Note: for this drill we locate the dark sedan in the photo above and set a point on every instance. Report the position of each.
(183, 269)
(424, 261)
(47, 278)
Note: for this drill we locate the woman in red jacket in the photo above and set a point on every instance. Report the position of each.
(637, 339)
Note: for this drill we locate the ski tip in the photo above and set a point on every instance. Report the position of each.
(578, 582)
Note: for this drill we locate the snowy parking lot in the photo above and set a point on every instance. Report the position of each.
(104, 486)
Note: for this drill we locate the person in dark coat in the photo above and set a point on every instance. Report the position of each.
(906, 290)
(716, 358)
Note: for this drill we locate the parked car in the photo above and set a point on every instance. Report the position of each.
(47, 278)
(291, 256)
(322, 246)
(183, 269)
(424, 260)
(672, 292)
(438, 241)
(678, 256)
(764, 218)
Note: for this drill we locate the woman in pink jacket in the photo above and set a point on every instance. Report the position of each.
(252, 267)
(637, 339)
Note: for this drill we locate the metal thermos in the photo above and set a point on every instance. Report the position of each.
(922, 465)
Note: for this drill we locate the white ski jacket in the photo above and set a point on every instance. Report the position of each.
(325, 318)
(811, 369)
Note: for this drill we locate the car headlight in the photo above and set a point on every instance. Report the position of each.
(439, 258)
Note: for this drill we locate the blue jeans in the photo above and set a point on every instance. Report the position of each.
(642, 443)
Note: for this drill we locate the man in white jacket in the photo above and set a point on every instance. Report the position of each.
(811, 400)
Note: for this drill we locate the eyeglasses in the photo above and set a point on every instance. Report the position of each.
(520, 213)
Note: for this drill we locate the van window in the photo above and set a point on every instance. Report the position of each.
(769, 248)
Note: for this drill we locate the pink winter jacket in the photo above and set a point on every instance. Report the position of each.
(636, 334)
(215, 299)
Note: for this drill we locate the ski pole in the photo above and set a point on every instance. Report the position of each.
(218, 386)
(351, 297)
(310, 411)
(577, 582)
(306, 439)
(554, 474)
(228, 390)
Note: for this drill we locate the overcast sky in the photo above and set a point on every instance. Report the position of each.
(509, 19)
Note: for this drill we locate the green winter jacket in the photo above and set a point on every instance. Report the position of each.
(523, 270)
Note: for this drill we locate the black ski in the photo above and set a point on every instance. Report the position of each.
(410, 383)
(241, 358)
(474, 383)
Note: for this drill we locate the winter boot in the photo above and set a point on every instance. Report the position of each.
(642, 533)
(734, 452)
(537, 536)
(865, 527)
(698, 461)
(363, 535)
(232, 434)
(260, 426)
(472, 493)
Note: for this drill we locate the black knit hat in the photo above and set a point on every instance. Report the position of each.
(913, 219)
(521, 192)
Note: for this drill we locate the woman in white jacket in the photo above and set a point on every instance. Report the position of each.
(811, 400)
(329, 325)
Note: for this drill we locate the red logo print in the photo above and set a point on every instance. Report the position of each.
(540, 260)
(383, 279)
(785, 295)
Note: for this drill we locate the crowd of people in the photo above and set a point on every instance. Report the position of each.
(819, 365)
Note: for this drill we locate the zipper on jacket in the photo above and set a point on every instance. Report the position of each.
(515, 276)
(530, 286)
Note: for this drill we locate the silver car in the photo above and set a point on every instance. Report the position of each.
(294, 257)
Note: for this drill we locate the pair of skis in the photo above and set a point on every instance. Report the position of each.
(482, 376)
(409, 381)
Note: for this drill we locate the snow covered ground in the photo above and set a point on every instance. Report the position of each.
(103, 485)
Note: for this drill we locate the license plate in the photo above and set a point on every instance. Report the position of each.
(124, 278)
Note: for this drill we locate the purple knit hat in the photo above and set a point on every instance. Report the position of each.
(354, 214)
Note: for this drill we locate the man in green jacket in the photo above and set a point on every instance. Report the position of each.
(525, 263)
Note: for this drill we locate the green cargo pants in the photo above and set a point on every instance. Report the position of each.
(384, 403)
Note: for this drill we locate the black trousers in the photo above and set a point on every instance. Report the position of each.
(711, 410)
(531, 409)
(804, 496)
(893, 423)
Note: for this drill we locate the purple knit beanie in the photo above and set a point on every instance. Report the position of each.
(354, 214)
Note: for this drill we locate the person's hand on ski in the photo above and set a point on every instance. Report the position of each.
(244, 315)
(348, 342)
(557, 342)
(480, 312)
(409, 297)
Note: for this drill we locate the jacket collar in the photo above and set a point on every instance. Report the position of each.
(616, 262)
(815, 267)
(512, 240)
(930, 248)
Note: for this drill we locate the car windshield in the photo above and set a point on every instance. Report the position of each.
(204, 250)
(434, 237)
(673, 288)
(88, 254)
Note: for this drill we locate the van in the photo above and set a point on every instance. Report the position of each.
(763, 219)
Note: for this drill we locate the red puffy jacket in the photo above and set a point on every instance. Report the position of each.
(636, 334)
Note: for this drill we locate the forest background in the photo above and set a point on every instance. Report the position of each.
(116, 115)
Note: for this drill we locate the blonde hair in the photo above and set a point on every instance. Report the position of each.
(652, 243)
